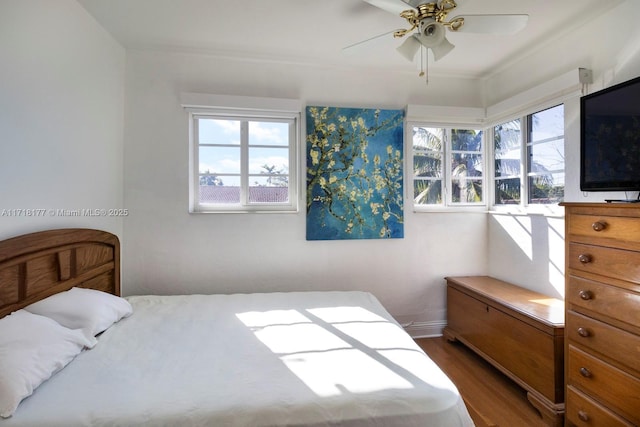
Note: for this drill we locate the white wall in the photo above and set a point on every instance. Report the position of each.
(61, 117)
(170, 251)
(63, 86)
(529, 250)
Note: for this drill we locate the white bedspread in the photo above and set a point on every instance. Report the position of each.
(295, 359)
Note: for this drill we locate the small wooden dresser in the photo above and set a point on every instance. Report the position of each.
(603, 314)
(519, 331)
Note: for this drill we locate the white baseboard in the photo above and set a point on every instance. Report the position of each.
(425, 329)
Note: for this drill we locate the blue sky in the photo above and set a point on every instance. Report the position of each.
(268, 144)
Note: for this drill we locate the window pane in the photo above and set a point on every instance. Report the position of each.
(466, 190)
(269, 133)
(546, 156)
(543, 193)
(270, 180)
(507, 145)
(426, 192)
(427, 164)
(507, 191)
(217, 131)
(507, 149)
(546, 172)
(507, 167)
(217, 160)
(506, 137)
(216, 194)
(268, 160)
(465, 164)
(428, 138)
(243, 161)
(466, 140)
(263, 190)
(547, 123)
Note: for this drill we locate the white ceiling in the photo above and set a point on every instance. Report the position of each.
(316, 31)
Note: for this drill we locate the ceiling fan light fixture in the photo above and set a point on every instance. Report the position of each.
(409, 47)
(442, 49)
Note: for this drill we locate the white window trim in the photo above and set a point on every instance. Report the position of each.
(548, 94)
(447, 206)
(223, 106)
(524, 207)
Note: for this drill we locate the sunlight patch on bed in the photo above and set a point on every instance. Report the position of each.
(346, 314)
(420, 366)
(340, 354)
(288, 332)
(343, 371)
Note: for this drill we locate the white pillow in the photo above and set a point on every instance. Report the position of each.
(80, 308)
(32, 348)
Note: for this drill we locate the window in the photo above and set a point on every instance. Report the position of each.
(244, 162)
(507, 143)
(531, 147)
(447, 166)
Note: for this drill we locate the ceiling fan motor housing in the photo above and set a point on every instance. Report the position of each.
(432, 31)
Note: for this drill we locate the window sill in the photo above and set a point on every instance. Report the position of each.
(236, 209)
(450, 209)
(551, 211)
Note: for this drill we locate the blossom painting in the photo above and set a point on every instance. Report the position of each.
(354, 173)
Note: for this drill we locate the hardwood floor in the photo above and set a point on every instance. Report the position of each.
(491, 397)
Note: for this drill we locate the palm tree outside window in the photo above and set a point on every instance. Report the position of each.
(448, 166)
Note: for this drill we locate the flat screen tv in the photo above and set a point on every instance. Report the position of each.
(610, 138)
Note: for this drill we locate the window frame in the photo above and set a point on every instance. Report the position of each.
(447, 177)
(292, 118)
(525, 175)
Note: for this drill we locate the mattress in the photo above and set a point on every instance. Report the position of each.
(294, 359)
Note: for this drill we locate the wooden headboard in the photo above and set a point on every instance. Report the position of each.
(37, 265)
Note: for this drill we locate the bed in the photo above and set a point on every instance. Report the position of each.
(264, 359)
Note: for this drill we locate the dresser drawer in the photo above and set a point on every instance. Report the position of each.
(584, 412)
(605, 339)
(606, 227)
(609, 262)
(606, 384)
(611, 301)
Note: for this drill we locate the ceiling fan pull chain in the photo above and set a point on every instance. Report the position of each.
(424, 64)
(426, 67)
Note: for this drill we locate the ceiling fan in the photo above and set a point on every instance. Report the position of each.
(429, 23)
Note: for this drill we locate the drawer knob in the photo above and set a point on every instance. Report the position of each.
(599, 225)
(583, 332)
(584, 258)
(585, 372)
(585, 295)
(583, 416)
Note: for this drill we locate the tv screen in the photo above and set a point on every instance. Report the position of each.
(610, 138)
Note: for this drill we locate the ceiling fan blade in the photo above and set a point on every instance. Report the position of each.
(442, 49)
(493, 24)
(409, 47)
(355, 46)
(415, 3)
(392, 6)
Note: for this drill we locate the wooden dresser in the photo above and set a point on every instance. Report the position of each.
(603, 314)
(519, 331)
